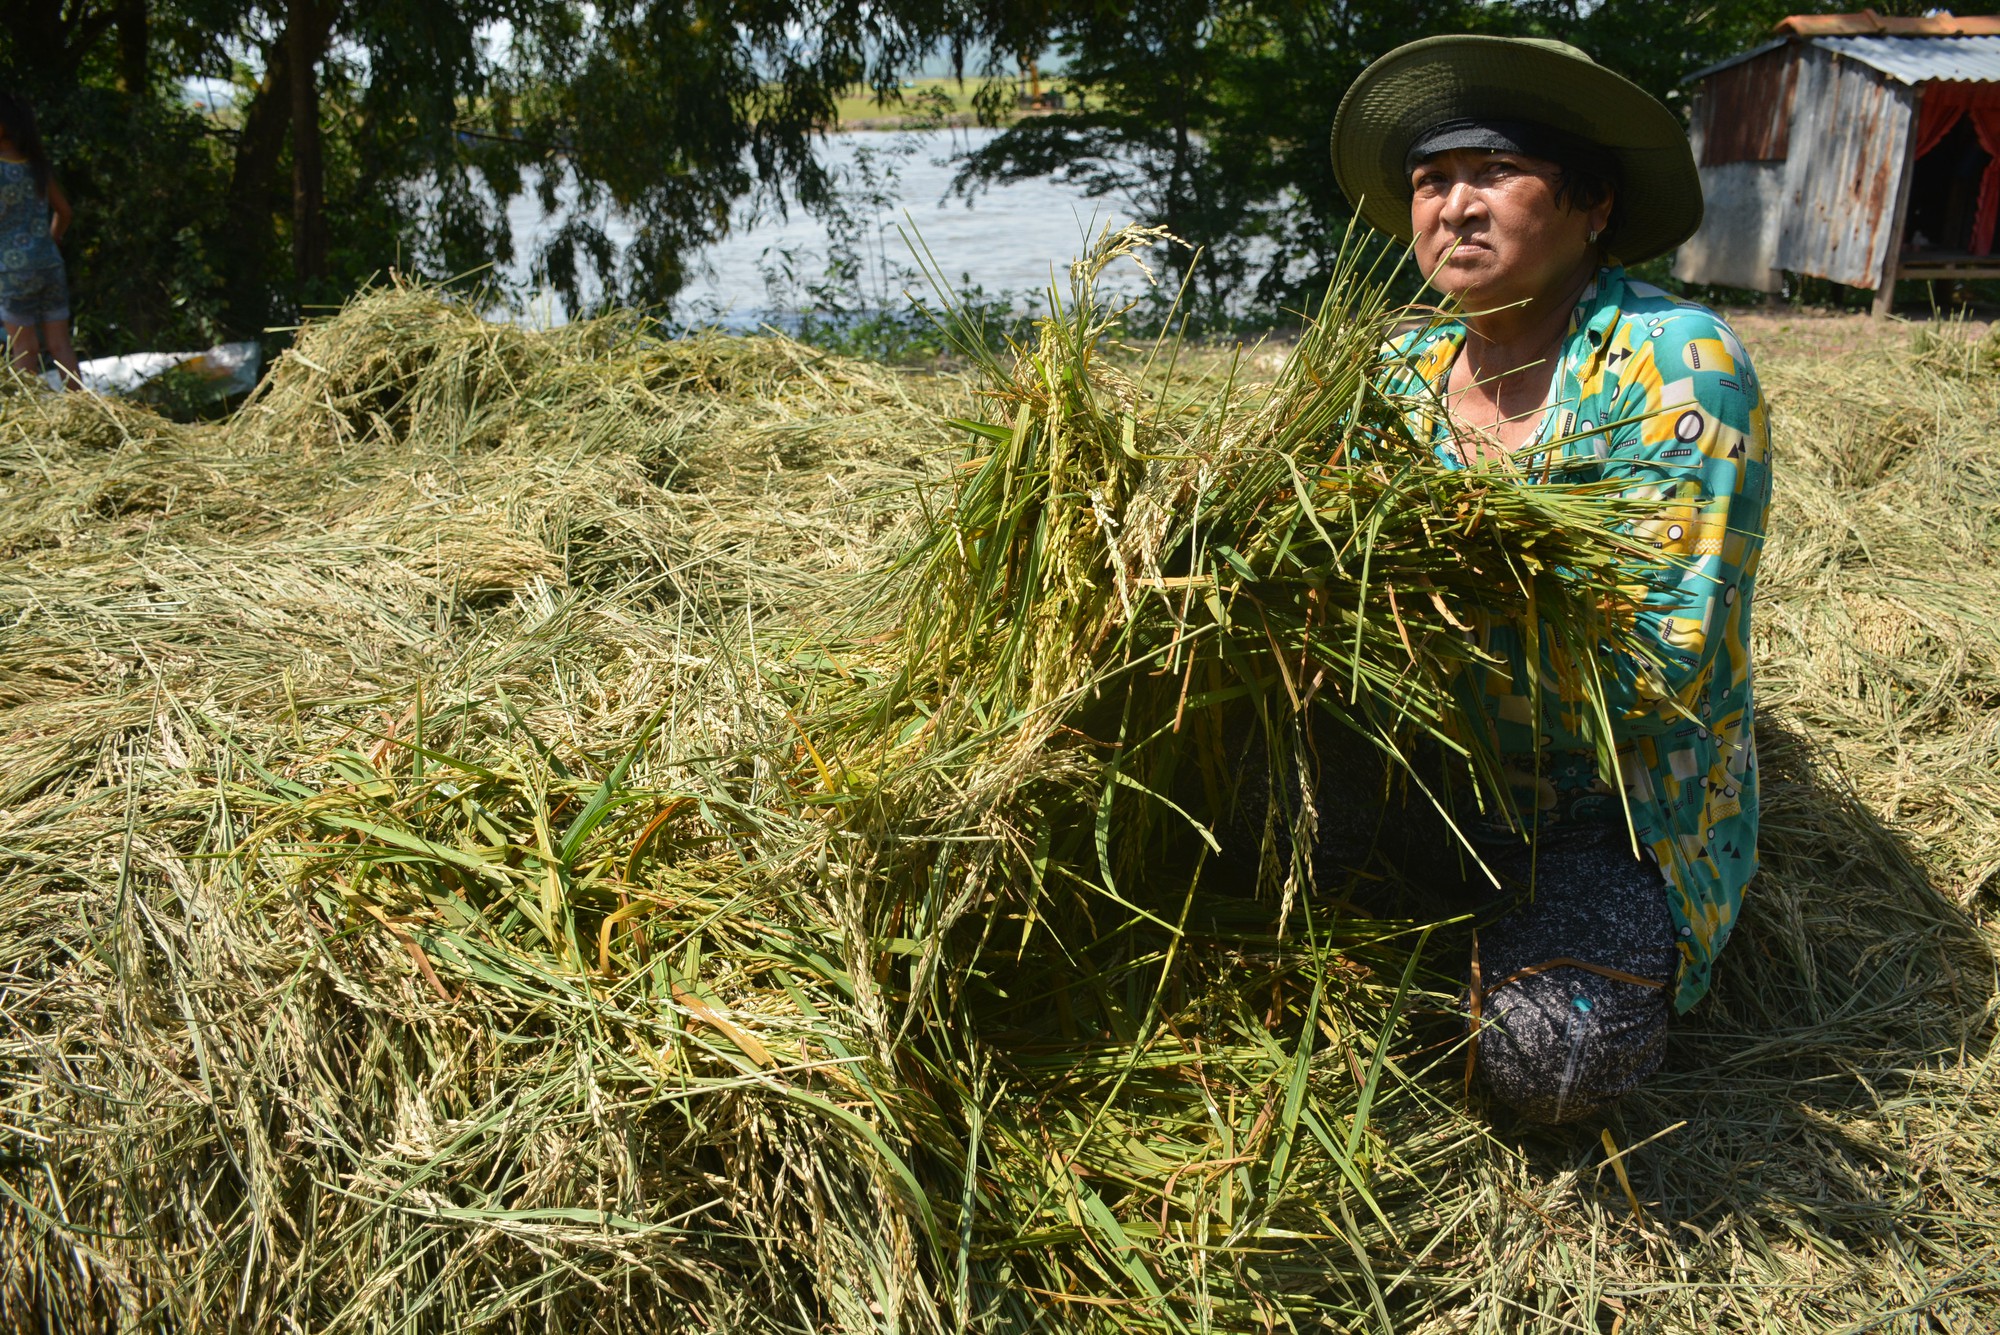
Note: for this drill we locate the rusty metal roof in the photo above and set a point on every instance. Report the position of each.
(1941, 23)
(1909, 60)
(1923, 59)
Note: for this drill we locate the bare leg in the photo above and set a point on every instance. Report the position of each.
(24, 348)
(55, 336)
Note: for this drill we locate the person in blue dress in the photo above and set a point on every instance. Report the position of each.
(34, 214)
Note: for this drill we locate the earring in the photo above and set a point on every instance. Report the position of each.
(1594, 233)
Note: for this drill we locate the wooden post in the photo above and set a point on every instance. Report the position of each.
(1892, 252)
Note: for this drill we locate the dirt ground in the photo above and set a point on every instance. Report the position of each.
(1786, 332)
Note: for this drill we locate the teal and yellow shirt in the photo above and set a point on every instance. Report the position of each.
(1659, 394)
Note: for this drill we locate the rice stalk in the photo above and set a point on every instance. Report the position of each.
(551, 830)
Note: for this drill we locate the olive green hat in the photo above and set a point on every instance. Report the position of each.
(1441, 79)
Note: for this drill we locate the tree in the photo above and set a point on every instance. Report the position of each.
(350, 120)
(142, 168)
(372, 133)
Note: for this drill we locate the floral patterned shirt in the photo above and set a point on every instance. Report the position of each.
(24, 221)
(1688, 431)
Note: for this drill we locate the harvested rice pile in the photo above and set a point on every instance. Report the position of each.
(568, 831)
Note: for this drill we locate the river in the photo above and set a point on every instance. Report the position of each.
(1007, 240)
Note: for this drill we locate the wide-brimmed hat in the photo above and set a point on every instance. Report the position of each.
(1455, 78)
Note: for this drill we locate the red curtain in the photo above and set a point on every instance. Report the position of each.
(1986, 120)
(1942, 105)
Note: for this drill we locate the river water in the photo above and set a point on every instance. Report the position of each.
(1007, 240)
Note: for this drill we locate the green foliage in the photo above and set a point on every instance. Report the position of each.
(870, 299)
(146, 173)
(144, 260)
(658, 116)
(729, 102)
(1210, 117)
(185, 216)
(911, 333)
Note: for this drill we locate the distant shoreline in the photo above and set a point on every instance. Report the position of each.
(958, 120)
(923, 100)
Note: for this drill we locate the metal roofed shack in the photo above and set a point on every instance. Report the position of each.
(1855, 148)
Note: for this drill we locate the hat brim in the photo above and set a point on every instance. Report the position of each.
(1446, 78)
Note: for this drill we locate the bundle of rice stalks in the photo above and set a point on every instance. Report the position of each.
(1127, 561)
(544, 556)
(1095, 1104)
(1240, 543)
(793, 901)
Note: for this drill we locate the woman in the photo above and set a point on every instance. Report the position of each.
(1525, 175)
(34, 214)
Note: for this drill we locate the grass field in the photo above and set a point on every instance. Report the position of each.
(925, 102)
(417, 907)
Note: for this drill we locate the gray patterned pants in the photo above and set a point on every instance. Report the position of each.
(1561, 1044)
(1556, 1045)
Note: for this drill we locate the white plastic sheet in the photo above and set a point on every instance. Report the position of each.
(224, 370)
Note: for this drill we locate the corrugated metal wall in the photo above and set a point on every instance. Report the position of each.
(1827, 207)
(1744, 113)
(1737, 245)
(1742, 139)
(1850, 135)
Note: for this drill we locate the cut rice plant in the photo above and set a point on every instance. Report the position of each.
(1287, 543)
(1124, 562)
(574, 830)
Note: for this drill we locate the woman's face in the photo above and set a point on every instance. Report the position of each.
(1489, 229)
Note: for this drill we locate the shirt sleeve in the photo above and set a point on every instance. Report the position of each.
(1692, 437)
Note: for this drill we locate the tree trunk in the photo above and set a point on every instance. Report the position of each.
(134, 49)
(252, 190)
(305, 39)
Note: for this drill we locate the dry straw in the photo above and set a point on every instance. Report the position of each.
(573, 831)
